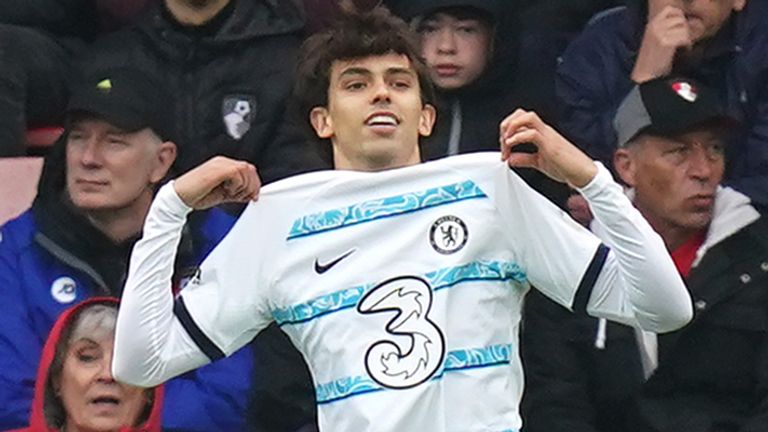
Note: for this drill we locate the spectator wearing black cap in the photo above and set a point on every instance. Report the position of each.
(75, 241)
(710, 376)
(720, 43)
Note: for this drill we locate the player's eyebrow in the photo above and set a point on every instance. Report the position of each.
(352, 71)
(400, 71)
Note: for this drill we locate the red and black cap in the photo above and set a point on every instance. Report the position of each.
(669, 106)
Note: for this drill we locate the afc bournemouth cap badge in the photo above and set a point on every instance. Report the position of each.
(685, 90)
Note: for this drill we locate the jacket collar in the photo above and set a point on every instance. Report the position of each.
(69, 236)
(733, 211)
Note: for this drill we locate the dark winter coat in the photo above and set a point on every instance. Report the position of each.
(594, 78)
(712, 375)
(230, 80)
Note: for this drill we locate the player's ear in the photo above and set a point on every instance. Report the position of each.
(427, 119)
(321, 122)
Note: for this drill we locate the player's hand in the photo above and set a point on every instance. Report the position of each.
(665, 34)
(555, 156)
(216, 181)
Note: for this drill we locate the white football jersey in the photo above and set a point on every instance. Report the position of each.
(402, 289)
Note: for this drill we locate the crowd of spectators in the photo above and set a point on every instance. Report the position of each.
(143, 90)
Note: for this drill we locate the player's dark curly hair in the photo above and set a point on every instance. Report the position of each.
(355, 35)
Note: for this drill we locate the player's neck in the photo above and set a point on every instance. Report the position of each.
(343, 161)
(195, 12)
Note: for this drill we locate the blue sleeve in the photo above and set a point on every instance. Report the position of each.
(592, 80)
(749, 173)
(20, 345)
(212, 398)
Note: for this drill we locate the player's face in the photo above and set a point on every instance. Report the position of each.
(109, 169)
(93, 400)
(456, 49)
(375, 114)
(675, 180)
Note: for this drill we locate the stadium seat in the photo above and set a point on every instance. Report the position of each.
(18, 184)
(40, 138)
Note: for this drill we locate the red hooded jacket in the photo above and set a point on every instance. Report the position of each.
(37, 421)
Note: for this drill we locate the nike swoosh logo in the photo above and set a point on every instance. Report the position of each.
(322, 268)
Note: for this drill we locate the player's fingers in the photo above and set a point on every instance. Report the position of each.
(524, 120)
(523, 160)
(510, 119)
(250, 191)
(512, 138)
(522, 136)
(240, 180)
(525, 128)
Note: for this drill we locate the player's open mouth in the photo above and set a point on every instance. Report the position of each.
(382, 122)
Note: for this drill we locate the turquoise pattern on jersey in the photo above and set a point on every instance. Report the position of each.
(438, 280)
(472, 358)
(368, 211)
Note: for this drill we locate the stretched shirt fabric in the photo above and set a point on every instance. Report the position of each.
(402, 289)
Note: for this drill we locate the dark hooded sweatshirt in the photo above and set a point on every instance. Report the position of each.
(229, 79)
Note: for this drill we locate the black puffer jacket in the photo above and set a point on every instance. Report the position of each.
(230, 80)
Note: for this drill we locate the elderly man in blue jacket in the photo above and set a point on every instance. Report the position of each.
(75, 241)
(721, 43)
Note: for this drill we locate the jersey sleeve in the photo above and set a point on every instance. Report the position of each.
(226, 304)
(158, 337)
(639, 284)
(556, 252)
(629, 277)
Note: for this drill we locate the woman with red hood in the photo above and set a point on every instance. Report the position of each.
(75, 390)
